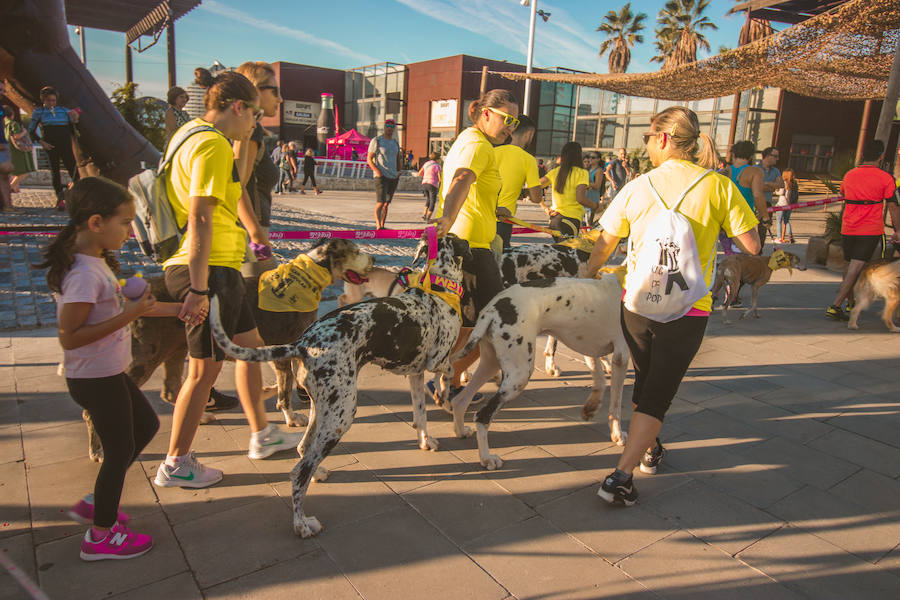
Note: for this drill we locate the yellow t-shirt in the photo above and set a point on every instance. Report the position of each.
(204, 166)
(477, 219)
(566, 203)
(714, 203)
(517, 168)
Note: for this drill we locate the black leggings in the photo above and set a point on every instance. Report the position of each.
(60, 138)
(661, 353)
(125, 423)
(307, 175)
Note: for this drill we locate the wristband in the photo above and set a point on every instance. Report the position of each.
(205, 292)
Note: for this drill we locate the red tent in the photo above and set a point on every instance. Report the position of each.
(342, 146)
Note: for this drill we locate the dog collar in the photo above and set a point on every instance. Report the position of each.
(451, 291)
(354, 277)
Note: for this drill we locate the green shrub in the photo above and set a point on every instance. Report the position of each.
(147, 115)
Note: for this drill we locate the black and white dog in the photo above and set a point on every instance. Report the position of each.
(406, 334)
(582, 313)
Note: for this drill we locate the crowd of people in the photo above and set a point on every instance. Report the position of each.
(220, 185)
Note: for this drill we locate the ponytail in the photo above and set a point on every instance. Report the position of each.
(224, 88)
(87, 197)
(707, 157)
(683, 128)
(491, 99)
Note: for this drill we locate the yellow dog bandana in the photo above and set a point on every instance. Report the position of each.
(453, 290)
(585, 242)
(618, 271)
(293, 287)
(780, 260)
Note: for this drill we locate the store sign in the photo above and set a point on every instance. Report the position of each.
(443, 113)
(300, 113)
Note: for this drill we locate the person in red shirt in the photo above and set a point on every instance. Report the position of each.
(864, 188)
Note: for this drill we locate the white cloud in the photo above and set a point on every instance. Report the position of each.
(297, 34)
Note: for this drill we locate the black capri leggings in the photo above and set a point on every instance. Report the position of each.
(307, 175)
(125, 423)
(661, 353)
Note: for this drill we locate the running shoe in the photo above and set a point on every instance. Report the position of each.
(652, 458)
(189, 473)
(275, 440)
(83, 512)
(219, 401)
(836, 313)
(120, 543)
(618, 487)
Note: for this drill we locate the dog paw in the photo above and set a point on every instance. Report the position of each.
(307, 526)
(207, 418)
(492, 462)
(589, 410)
(97, 457)
(855, 326)
(429, 443)
(295, 420)
(321, 474)
(465, 433)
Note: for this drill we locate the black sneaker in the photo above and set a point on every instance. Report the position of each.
(652, 458)
(219, 401)
(430, 386)
(836, 313)
(617, 487)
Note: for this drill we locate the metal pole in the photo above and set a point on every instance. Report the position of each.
(129, 73)
(80, 32)
(863, 130)
(526, 109)
(889, 106)
(170, 49)
(484, 75)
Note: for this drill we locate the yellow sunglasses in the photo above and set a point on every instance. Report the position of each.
(508, 119)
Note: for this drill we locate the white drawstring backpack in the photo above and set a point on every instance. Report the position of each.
(667, 277)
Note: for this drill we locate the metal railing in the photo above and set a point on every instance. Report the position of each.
(332, 167)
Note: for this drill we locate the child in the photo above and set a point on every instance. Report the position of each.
(93, 319)
(786, 196)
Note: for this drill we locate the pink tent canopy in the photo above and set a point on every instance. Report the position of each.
(342, 146)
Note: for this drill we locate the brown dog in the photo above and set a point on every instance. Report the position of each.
(878, 279)
(161, 341)
(736, 270)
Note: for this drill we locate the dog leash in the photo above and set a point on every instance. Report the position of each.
(539, 228)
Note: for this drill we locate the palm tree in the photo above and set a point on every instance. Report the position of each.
(623, 31)
(754, 29)
(665, 47)
(683, 22)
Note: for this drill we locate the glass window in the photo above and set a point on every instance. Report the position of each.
(612, 132)
(723, 127)
(542, 147)
(702, 105)
(562, 119)
(564, 94)
(726, 102)
(557, 141)
(545, 117)
(770, 99)
(586, 132)
(613, 103)
(547, 92)
(637, 127)
(589, 101)
(662, 105)
(761, 128)
(642, 105)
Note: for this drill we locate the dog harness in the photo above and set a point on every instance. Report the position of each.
(293, 287)
(450, 291)
(780, 260)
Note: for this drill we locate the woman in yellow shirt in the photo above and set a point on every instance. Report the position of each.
(468, 209)
(570, 183)
(205, 191)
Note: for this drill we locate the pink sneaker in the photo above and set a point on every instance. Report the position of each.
(120, 543)
(83, 512)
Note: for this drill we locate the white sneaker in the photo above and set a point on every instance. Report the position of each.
(276, 440)
(188, 474)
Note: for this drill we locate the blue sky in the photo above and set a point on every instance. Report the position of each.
(368, 31)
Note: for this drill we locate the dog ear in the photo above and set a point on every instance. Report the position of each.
(460, 246)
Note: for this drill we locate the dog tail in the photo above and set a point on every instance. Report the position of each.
(263, 354)
(885, 279)
(485, 320)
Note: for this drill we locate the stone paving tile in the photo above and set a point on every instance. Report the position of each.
(420, 559)
(817, 569)
(868, 534)
(181, 587)
(11, 449)
(534, 559)
(19, 550)
(871, 490)
(313, 576)
(861, 451)
(799, 463)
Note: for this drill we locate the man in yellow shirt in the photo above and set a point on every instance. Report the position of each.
(518, 169)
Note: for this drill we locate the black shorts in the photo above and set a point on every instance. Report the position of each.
(481, 282)
(860, 247)
(565, 225)
(384, 189)
(237, 316)
(661, 353)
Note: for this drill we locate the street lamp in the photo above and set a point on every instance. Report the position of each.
(528, 65)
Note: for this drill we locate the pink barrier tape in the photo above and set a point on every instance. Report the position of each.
(820, 202)
(318, 234)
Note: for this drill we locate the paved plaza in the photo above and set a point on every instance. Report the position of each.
(781, 480)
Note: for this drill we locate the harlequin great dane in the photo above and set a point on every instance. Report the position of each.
(406, 334)
(582, 313)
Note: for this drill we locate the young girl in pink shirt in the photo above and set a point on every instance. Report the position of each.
(93, 318)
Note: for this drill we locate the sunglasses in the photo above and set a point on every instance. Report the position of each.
(647, 136)
(274, 88)
(508, 119)
(257, 111)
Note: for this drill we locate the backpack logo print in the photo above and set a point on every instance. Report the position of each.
(668, 262)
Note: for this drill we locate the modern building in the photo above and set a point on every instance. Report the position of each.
(429, 100)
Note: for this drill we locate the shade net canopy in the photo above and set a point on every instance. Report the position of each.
(843, 54)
